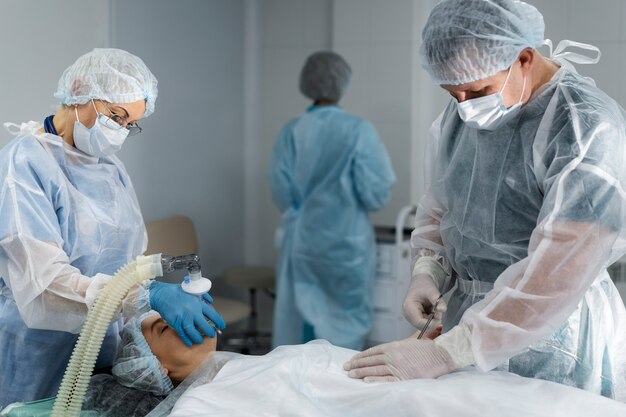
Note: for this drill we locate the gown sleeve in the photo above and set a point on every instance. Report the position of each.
(279, 170)
(426, 237)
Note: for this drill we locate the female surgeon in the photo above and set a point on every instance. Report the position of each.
(328, 169)
(525, 210)
(70, 219)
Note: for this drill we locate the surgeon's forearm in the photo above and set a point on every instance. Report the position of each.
(49, 292)
(426, 242)
(563, 265)
(71, 297)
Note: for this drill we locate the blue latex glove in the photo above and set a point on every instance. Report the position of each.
(185, 313)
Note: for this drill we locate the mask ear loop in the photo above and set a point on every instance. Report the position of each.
(76, 113)
(506, 80)
(523, 89)
(94, 107)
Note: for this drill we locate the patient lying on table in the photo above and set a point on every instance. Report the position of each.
(308, 380)
(153, 358)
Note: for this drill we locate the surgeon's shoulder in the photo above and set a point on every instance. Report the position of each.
(584, 121)
(26, 153)
(583, 102)
(357, 124)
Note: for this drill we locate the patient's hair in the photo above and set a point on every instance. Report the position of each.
(135, 366)
(153, 358)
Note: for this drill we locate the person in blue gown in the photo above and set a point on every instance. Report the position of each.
(328, 170)
(70, 220)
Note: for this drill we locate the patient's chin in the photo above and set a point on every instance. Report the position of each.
(210, 344)
(188, 362)
(199, 353)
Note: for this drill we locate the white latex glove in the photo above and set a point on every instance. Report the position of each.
(419, 300)
(403, 359)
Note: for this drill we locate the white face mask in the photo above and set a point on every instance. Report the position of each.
(490, 111)
(103, 139)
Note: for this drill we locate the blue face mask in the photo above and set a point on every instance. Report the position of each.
(489, 112)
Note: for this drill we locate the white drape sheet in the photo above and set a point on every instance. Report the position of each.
(308, 380)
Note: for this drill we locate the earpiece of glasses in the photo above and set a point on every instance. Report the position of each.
(133, 128)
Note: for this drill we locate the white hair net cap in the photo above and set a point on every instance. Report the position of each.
(469, 40)
(135, 365)
(108, 74)
(325, 76)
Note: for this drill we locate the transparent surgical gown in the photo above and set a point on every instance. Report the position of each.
(526, 219)
(69, 221)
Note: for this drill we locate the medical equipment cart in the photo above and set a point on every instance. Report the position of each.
(393, 276)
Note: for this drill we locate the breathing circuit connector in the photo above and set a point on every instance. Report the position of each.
(189, 262)
(194, 283)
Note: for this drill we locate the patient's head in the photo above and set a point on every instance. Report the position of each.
(152, 356)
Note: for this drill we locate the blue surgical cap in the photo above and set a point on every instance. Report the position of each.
(325, 76)
(108, 74)
(135, 365)
(469, 40)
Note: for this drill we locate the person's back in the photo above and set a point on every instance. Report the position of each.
(328, 169)
(326, 165)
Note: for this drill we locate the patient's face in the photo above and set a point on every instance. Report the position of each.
(178, 359)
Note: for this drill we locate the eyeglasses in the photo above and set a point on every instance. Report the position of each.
(133, 127)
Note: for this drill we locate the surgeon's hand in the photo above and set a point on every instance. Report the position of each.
(400, 360)
(420, 299)
(185, 313)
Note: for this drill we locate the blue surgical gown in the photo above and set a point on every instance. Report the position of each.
(69, 221)
(527, 218)
(327, 171)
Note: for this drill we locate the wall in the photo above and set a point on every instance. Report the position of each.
(288, 31)
(228, 73)
(380, 90)
(381, 42)
(279, 35)
(36, 49)
(189, 159)
(570, 19)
